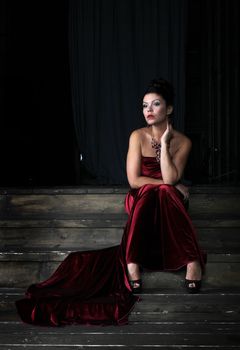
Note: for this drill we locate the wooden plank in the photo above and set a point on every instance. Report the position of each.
(218, 274)
(44, 206)
(170, 298)
(221, 304)
(83, 221)
(171, 307)
(110, 347)
(196, 189)
(216, 223)
(58, 238)
(222, 273)
(41, 255)
(159, 336)
(69, 206)
(120, 339)
(217, 240)
(106, 220)
(81, 190)
(107, 347)
(147, 328)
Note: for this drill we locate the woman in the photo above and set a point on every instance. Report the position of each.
(159, 233)
(97, 287)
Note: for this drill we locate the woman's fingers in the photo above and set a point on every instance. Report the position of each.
(166, 137)
(184, 190)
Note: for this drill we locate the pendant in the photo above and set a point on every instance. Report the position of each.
(157, 147)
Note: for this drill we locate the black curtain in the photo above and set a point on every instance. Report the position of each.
(116, 48)
(212, 91)
(221, 96)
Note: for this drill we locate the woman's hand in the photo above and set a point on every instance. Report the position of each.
(184, 190)
(167, 135)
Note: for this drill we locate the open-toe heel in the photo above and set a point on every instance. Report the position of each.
(193, 286)
(136, 286)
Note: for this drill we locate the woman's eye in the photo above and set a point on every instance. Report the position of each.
(144, 106)
(157, 103)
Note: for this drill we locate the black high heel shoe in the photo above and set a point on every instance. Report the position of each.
(193, 289)
(138, 289)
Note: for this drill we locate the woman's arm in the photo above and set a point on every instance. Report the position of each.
(172, 167)
(134, 164)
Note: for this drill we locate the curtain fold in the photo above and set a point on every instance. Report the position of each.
(116, 47)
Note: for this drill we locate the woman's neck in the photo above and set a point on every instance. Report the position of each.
(158, 130)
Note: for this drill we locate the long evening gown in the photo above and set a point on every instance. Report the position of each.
(91, 287)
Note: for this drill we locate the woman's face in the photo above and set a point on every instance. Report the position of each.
(155, 109)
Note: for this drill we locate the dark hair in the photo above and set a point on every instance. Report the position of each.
(161, 87)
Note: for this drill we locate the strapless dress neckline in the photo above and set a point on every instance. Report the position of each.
(148, 156)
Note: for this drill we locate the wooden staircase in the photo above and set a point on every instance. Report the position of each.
(39, 227)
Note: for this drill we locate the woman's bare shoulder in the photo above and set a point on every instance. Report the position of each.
(140, 133)
(136, 139)
(181, 139)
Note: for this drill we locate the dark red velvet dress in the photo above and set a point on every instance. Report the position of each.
(91, 287)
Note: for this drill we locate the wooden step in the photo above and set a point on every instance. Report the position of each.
(24, 268)
(214, 239)
(106, 220)
(118, 189)
(164, 320)
(134, 328)
(166, 306)
(59, 205)
(136, 340)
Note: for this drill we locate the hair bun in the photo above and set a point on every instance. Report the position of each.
(162, 87)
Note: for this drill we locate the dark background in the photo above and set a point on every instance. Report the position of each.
(37, 138)
(37, 135)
